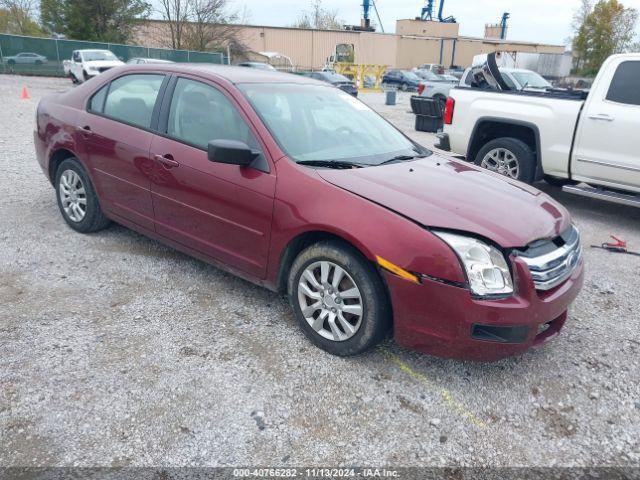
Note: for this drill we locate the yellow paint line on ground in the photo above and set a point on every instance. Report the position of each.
(445, 394)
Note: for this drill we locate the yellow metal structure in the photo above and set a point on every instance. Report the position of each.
(358, 72)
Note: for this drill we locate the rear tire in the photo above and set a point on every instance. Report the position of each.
(350, 285)
(77, 199)
(509, 157)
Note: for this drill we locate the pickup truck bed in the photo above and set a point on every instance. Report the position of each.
(547, 120)
(565, 137)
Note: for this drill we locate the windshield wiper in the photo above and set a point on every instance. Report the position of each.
(401, 158)
(332, 164)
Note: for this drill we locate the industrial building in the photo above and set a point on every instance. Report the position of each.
(429, 38)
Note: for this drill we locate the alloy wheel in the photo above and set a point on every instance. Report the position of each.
(502, 161)
(330, 301)
(73, 196)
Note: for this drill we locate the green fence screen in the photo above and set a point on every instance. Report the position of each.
(44, 56)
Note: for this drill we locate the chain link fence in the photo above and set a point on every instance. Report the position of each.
(44, 56)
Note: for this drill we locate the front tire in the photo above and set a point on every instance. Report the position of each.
(510, 157)
(77, 199)
(338, 299)
(404, 87)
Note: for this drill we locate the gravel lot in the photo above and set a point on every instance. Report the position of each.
(116, 350)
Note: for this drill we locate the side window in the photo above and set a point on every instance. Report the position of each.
(76, 57)
(97, 101)
(131, 98)
(625, 87)
(199, 113)
(509, 82)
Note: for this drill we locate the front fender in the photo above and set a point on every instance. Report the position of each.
(306, 203)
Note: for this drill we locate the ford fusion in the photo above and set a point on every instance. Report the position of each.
(301, 188)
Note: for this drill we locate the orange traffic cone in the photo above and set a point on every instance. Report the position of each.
(25, 93)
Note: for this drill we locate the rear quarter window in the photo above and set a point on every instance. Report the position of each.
(625, 86)
(131, 98)
(96, 104)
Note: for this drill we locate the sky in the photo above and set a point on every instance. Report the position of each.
(544, 21)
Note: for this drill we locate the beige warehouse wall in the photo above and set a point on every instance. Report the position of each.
(310, 48)
(427, 28)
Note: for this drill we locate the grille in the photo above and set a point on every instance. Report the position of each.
(552, 262)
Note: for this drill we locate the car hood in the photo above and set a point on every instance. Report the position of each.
(443, 193)
(104, 63)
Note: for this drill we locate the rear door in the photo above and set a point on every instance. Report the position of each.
(117, 132)
(606, 145)
(223, 211)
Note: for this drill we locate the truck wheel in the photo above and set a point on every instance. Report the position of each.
(338, 299)
(559, 182)
(509, 157)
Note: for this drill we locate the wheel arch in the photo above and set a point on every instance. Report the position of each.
(56, 158)
(303, 240)
(487, 129)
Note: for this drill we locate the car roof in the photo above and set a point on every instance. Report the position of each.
(233, 74)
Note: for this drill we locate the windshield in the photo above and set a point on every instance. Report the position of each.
(322, 123)
(530, 80)
(98, 55)
(428, 75)
(411, 76)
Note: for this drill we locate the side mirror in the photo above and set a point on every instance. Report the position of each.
(232, 152)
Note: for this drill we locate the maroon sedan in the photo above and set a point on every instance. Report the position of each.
(299, 187)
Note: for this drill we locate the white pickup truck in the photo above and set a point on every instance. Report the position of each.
(587, 143)
(86, 64)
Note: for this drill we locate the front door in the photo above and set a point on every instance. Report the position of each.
(116, 129)
(223, 211)
(605, 150)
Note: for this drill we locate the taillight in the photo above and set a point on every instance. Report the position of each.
(420, 88)
(448, 110)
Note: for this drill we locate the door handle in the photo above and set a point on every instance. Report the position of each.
(601, 116)
(85, 131)
(167, 161)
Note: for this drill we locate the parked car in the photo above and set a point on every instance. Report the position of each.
(557, 135)
(25, 58)
(402, 79)
(303, 189)
(433, 67)
(337, 80)
(516, 79)
(258, 65)
(435, 86)
(86, 64)
(137, 61)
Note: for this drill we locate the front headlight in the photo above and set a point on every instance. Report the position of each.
(486, 267)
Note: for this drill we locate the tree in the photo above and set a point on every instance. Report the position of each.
(199, 25)
(319, 18)
(17, 17)
(93, 20)
(607, 29)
